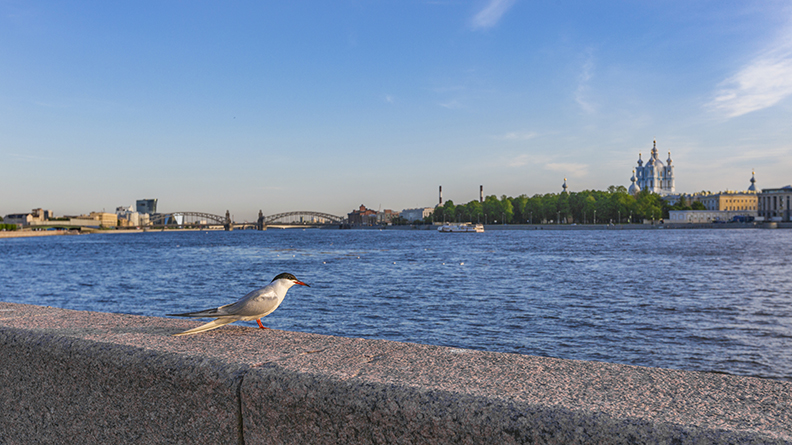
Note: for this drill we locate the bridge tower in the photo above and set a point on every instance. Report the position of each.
(229, 226)
(260, 224)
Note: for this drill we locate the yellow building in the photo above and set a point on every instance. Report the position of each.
(728, 200)
(105, 219)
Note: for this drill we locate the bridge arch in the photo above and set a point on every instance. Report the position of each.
(188, 218)
(315, 217)
(208, 219)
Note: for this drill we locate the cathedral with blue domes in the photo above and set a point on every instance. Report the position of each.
(654, 176)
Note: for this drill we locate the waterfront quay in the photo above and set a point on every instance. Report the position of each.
(111, 378)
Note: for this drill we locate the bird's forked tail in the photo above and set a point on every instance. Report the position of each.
(206, 327)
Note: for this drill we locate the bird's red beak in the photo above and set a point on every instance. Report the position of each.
(301, 283)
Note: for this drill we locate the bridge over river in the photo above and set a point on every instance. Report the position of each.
(208, 220)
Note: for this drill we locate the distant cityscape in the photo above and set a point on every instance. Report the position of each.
(654, 179)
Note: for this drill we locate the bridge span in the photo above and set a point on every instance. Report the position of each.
(207, 220)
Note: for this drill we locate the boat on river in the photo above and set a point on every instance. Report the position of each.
(461, 228)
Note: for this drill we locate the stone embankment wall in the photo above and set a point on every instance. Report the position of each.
(28, 233)
(86, 377)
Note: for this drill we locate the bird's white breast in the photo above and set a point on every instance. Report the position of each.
(260, 302)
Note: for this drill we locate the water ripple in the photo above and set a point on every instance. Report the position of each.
(707, 300)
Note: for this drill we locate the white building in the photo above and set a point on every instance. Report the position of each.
(654, 176)
(20, 219)
(416, 214)
(776, 204)
(128, 214)
(28, 219)
(706, 216)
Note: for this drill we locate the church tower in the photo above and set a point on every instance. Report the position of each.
(752, 188)
(634, 189)
(654, 176)
(668, 174)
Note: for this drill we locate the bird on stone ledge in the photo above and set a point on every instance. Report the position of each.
(253, 306)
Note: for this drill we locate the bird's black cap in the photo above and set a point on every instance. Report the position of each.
(289, 276)
(286, 275)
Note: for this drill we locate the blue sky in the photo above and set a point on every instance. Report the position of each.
(324, 106)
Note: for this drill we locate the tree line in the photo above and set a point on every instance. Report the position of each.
(586, 207)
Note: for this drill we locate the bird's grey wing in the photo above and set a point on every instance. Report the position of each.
(221, 311)
(199, 314)
(247, 305)
(256, 302)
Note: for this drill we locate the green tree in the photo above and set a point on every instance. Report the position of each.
(697, 205)
(648, 205)
(460, 213)
(682, 204)
(492, 209)
(507, 210)
(622, 202)
(563, 211)
(474, 211)
(576, 206)
(533, 209)
(445, 212)
(449, 211)
(550, 206)
(520, 204)
(589, 207)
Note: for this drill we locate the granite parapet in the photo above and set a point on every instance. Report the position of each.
(88, 377)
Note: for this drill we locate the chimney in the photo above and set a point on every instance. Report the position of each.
(481, 193)
(441, 195)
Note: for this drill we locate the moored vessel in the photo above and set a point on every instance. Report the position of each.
(461, 228)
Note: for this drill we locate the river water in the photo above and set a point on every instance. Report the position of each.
(706, 300)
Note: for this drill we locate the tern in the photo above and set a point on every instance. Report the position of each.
(253, 306)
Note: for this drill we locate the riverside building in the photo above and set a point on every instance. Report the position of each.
(722, 207)
(419, 214)
(28, 219)
(128, 217)
(728, 200)
(654, 176)
(146, 206)
(363, 216)
(776, 204)
(709, 216)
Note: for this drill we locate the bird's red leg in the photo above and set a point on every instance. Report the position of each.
(258, 320)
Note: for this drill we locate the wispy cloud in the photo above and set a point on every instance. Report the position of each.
(743, 156)
(581, 93)
(491, 14)
(569, 169)
(516, 136)
(534, 159)
(763, 82)
(519, 161)
(389, 98)
(451, 105)
(448, 88)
